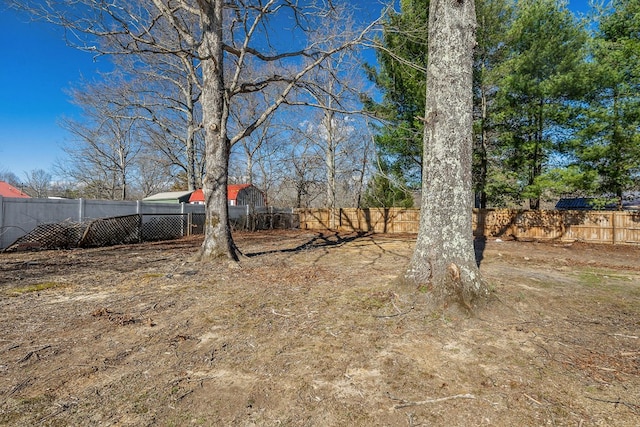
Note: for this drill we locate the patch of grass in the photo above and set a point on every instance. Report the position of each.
(35, 287)
(423, 289)
(14, 410)
(375, 301)
(148, 278)
(596, 277)
(590, 278)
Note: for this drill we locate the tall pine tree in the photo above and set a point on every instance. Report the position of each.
(402, 59)
(494, 19)
(608, 143)
(540, 80)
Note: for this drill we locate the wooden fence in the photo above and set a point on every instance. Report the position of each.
(610, 227)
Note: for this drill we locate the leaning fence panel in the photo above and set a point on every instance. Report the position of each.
(126, 229)
(120, 230)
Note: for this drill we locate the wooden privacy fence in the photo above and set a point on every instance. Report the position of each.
(610, 227)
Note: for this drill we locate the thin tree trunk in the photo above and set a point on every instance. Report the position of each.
(218, 241)
(330, 161)
(484, 137)
(190, 146)
(443, 262)
(534, 203)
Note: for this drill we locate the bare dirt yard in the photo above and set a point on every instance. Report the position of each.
(312, 330)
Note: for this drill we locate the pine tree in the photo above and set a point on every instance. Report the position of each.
(402, 60)
(540, 80)
(608, 143)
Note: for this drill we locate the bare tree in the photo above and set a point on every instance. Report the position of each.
(321, 120)
(305, 177)
(10, 178)
(249, 24)
(152, 175)
(165, 95)
(252, 149)
(106, 142)
(265, 159)
(335, 90)
(355, 163)
(443, 261)
(38, 183)
(226, 39)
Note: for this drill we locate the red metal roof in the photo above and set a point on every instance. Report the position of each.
(232, 193)
(234, 189)
(196, 196)
(8, 190)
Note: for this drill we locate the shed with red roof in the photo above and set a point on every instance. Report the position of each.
(237, 195)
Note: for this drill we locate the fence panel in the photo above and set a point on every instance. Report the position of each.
(20, 216)
(626, 227)
(594, 227)
(587, 226)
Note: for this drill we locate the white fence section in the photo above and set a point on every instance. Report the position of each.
(19, 216)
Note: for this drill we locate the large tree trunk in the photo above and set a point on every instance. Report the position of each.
(443, 262)
(217, 241)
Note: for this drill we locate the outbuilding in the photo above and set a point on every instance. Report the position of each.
(169, 197)
(237, 195)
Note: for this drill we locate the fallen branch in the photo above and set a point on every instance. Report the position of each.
(182, 396)
(20, 386)
(11, 347)
(273, 311)
(398, 311)
(32, 352)
(406, 403)
(633, 407)
(387, 316)
(531, 399)
(63, 407)
(625, 336)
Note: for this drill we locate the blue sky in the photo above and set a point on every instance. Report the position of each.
(36, 69)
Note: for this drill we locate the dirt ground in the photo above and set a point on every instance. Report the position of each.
(312, 331)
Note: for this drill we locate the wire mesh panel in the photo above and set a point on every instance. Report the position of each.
(137, 228)
(118, 230)
(62, 235)
(196, 223)
(274, 221)
(163, 227)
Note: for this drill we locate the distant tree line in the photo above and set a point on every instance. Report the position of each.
(556, 111)
(289, 109)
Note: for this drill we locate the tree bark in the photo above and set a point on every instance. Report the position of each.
(443, 262)
(217, 241)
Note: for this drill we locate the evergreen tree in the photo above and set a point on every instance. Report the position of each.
(386, 191)
(541, 78)
(494, 19)
(402, 59)
(608, 143)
